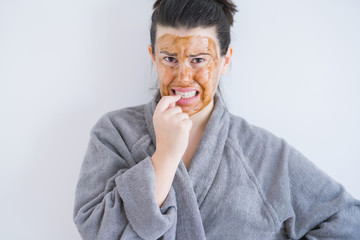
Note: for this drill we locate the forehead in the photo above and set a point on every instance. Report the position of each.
(182, 32)
(203, 38)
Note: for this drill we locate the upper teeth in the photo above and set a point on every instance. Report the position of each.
(186, 94)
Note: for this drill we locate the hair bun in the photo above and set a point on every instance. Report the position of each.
(157, 3)
(228, 7)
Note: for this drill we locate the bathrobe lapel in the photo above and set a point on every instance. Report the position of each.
(207, 157)
(191, 186)
(189, 221)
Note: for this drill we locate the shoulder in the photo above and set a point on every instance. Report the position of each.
(262, 150)
(117, 118)
(253, 141)
(126, 125)
(263, 153)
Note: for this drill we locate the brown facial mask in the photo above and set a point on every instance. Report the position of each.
(188, 63)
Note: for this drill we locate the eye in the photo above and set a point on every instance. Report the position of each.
(170, 59)
(197, 60)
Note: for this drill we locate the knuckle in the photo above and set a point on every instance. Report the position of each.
(182, 126)
(178, 108)
(188, 123)
(185, 115)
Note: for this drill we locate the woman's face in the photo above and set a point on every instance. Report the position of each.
(189, 64)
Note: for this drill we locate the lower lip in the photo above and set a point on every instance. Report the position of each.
(187, 101)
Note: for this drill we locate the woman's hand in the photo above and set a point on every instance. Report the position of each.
(172, 130)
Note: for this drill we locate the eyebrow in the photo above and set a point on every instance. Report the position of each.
(199, 54)
(174, 54)
(170, 54)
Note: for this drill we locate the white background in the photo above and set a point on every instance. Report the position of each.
(295, 72)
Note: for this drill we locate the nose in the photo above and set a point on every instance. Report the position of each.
(185, 73)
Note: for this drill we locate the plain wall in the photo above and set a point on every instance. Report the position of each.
(63, 64)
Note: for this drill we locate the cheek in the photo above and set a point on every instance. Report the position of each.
(165, 78)
(203, 75)
(208, 77)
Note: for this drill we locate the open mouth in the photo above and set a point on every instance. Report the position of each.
(187, 94)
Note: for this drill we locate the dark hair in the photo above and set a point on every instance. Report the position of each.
(195, 13)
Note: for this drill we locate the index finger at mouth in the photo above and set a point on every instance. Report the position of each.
(166, 102)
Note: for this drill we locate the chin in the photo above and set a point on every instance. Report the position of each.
(190, 111)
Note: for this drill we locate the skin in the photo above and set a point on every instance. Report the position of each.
(186, 58)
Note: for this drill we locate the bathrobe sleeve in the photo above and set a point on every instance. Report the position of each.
(322, 207)
(115, 196)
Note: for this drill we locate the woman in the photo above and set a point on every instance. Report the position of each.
(183, 167)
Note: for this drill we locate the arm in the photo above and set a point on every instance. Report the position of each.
(322, 207)
(172, 130)
(115, 200)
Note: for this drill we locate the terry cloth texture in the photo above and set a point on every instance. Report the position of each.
(243, 183)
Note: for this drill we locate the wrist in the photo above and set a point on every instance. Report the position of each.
(164, 162)
(166, 157)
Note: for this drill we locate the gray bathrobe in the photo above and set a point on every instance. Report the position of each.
(243, 183)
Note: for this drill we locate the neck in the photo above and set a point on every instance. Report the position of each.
(201, 118)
